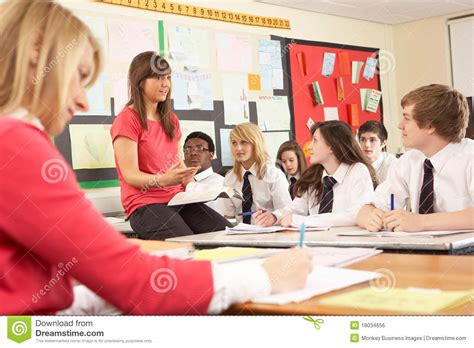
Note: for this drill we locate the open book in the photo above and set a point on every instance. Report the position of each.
(242, 228)
(201, 193)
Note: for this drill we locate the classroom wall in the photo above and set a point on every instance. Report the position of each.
(422, 54)
(304, 25)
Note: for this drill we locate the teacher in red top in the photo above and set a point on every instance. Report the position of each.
(146, 137)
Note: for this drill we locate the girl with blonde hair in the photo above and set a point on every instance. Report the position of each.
(49, 230)
(263, 186)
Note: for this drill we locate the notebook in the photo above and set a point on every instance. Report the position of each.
(242, 228)
(159, 248)
(200, 196)
(423, 234)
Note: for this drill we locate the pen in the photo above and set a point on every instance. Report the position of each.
(247, 213)
(302, 227)
(392, 201)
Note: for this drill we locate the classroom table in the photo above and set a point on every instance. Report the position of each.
(454, 244)
(421, 271)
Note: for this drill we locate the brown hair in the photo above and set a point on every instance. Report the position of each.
(291, 145)
(374, 127)
(143, 66)
(338, 135)
(441, 107)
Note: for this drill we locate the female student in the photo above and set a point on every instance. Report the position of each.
(373, 142)
(146, 137)
(291, 159)
(336, 185)
(48, 229)
(263, 186)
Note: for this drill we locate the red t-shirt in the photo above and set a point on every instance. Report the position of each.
(50, 233)
(156, 153)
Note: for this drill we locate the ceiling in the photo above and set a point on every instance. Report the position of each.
(382, 11)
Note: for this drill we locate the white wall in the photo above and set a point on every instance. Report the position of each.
(422, 54)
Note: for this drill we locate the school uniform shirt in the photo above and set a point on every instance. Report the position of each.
(453, 179)
(49, 230)
(156, 153)
(291, 178)
(270, 193)
(353, 189)
(383, 164)
(215, 180)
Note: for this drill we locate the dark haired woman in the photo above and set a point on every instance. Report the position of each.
(291, 159)
(336, 185)
(146, 137)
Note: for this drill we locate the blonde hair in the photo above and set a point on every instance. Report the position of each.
(61, 38)
(251, 133)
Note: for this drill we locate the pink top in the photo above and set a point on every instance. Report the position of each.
(50, 233)
(156, 153)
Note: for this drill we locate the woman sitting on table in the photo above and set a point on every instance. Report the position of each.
(49, 230)
(146, 137)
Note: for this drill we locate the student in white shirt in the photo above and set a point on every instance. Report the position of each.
(198, 152)
(335, 198)
(373, 142)
(291, 159)
(262, 185)
(437, 176)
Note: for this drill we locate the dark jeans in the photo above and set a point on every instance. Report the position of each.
(158, 221)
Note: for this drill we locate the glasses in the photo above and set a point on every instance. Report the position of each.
(198, 149)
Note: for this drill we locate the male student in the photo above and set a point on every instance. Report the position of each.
(437, 176)
(198, 152)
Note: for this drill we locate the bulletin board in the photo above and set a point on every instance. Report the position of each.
(213, 89)
(299, 85)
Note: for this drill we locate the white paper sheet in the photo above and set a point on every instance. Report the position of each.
(235, 94)
(273, 113)
(321, 281)
(234, 52)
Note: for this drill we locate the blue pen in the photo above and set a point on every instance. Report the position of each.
(302, 228)
(392, 201)
(247, 213)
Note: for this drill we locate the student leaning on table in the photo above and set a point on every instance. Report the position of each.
(437, 176)
(46, 223)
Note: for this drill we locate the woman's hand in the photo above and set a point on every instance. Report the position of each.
(264, 218)
(175, 175)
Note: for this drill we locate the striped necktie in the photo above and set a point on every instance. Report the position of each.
(427, 192)
(292, 187)
(325, 206)
(247, 198)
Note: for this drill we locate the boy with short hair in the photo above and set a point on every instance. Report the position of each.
(437, 176)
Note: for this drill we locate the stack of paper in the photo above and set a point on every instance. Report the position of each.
(339, 257)
(242, 228)
(424, 234)
(321, 280)
(230, 254)
(370, 99)
(401, 300)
